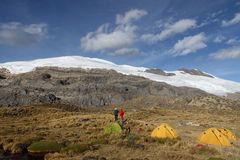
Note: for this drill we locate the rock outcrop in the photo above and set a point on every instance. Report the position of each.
(195, 72)
(82, 88)
(4, 73)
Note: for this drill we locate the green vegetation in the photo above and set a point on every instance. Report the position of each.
(45, 146)
(33, 139)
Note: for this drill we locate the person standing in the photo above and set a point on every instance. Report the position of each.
(121, 113)
(116, 114)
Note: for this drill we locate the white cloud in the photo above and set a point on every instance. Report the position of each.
(126, 51)
(109, 40)
(170, 30)
(161, 24)
(101, 41)
(233, 41)
(227, 53)
(189, 45)
(39, 29)
(18, 34)
(219, 39)
(130, 16)
(233, 21)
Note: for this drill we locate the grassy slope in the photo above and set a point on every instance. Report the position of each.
(75, 129)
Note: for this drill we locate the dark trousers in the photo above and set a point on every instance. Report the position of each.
(116, 117)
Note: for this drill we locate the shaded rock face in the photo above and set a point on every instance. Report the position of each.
(45, 76)
(2, 77)
(195, 72)
(82, 88)
(159, 72)
(4, 73)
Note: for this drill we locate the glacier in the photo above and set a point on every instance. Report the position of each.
(213, 85)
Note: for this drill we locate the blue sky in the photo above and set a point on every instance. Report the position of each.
(166, 34)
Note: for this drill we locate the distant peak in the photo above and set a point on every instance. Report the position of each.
(195, 72)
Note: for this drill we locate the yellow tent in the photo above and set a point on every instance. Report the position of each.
(229, 134)
(164, 131)
(213, 136)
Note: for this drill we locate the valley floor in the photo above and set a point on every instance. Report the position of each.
(81, 132)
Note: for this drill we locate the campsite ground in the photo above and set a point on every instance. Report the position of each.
(81, 134)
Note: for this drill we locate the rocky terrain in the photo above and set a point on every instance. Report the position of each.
(79, 87)
(159, 72)
(195, 72)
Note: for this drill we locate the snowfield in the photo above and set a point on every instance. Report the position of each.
(214, 85)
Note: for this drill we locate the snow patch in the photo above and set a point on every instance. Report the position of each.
(214, 85)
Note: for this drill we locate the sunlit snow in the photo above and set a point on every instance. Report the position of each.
(214, 85)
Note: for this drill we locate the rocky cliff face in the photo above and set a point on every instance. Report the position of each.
(82, 88)
(195, 72)
(4, 73)
(159, 72)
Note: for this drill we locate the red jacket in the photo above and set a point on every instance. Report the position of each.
(121, 113)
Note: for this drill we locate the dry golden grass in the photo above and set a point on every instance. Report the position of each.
(23, 126)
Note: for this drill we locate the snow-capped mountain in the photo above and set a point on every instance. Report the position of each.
(210, 84)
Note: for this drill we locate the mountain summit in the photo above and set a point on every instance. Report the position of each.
(181, 78)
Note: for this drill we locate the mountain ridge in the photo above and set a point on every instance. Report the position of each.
(81, 87)
(180, 78)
